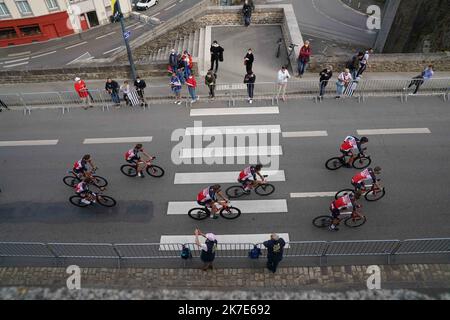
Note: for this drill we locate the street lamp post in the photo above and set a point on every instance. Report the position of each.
(127, 44)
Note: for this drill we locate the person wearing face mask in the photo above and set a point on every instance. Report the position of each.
(140, 86)
(248, 60)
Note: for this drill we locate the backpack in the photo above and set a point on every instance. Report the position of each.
(186, 253)
(254, 253)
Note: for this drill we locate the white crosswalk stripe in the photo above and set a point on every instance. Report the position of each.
(313, 194)
(117, 140)
(28, 143)
(393, 131)
(304, 134)
(233, 111)
(231, 152)
(223, 177)
(232, 130)
(246, 206)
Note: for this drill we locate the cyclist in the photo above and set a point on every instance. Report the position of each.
(351, 146)
(80, 166)
(367, 176)
(82, 189)
(132, 156)
(345, 203)
(247, 177)
(208, 198)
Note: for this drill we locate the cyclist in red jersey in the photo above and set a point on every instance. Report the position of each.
(367, 176)
(80, 167)
(344, 204)
(352, 146)
(208, 198)
(132, 156)
(247, 177)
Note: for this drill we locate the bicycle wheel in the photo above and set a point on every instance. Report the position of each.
(99, 181)
(322, 221)
(76, 201)
(362, 162)
(70, 181)
(129, 170)
(355, 222)
(235, 192)
(342, 193)
(106, 201)
(230, 213)
(198, 213)
(265, 189)
(155, 171)
(375, 195)
(334, 163)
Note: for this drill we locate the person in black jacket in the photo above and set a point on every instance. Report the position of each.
(325, 76)
(275, 248)
(248, 60)
(113, 89)
(209, 248)
(250, 79)
(216, 55)
(140, 86)
(247, 11)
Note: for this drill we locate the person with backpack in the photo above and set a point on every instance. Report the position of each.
(275, 248)
(216, 55)
(208, 249)
(353, 64)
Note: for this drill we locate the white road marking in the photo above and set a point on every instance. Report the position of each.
(313, 194)
(224, 239)
(43, 54)
(246, 206)
(105, 35)
(132, 25)
(117, 140)
(15, 65)
(75, 45)
(222, 177)
(115, 49)
(168, 8)
(393, 131)
(155, 15)
(303, 134)
(138, 27)
(17, 60)
(233, 111)
(221, 152)
(28, 143)
(19, 54)
(232, 130)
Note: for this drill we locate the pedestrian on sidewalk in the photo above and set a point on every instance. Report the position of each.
(248, 60)
(419, 80)
(364, 62)
(275, 248)
(81, 89)
(216, 55)
(208, 249)
(140, 85)
(247, 10)
(125, 88)
(112, 87)
(187, 63)
(210, 81)
(283, 76)
(250, 79)
(173, 60)
(175, 86)
(343, 81)
(303, 58)
(2, 104)
(353, 64)
(192, 85)
(325, 76)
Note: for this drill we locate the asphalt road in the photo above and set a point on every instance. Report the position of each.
(34, 201)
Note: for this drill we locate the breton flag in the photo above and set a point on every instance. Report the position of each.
(116, 9)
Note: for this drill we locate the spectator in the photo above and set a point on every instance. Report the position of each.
(325, 76)
(353, 64)
(173, 60)
(250, 79)
(248, 60)
(175, 85)
(140, 85)
(216, 55)
(192, 85)
(247, 12)
(208, 248)
(343, 81)
(125, 88)
(113, 89)
(2, 104)
(210, 81)
(364, 62)
(419, 80)
(283, 76)
(274, 251)
(187, 63)
(81, 89)
(303, 58)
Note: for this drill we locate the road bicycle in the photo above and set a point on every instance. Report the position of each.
(103, 200)
(352, 221)
(74, 179)
(227, 212)
(263, 189)
(371, 192)
(130, 170)
(361, 162)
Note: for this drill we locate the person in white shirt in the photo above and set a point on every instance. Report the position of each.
(283, 76)
(343, 81)
(125, 88)
(364, 62)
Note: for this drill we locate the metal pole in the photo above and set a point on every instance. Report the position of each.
(127, 45)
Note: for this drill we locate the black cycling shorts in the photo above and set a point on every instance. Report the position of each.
(335, 213)
(205, 203)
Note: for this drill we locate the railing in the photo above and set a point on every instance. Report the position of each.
(293, 249)
(232, 92)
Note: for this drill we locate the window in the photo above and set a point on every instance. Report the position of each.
(52, 4)
(27, 31)
(24, 7)
(4, 12)
(7, 33)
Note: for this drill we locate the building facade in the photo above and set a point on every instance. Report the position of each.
(27, 21)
